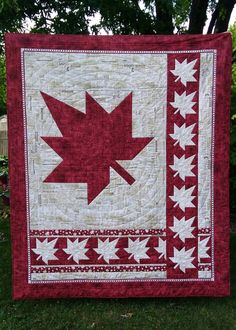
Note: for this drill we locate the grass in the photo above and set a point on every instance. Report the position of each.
(164, 313)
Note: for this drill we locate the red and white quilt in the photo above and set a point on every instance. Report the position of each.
(119, 165)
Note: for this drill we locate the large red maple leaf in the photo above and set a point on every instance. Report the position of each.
(91, 143)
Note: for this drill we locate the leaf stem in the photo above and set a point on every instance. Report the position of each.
(122, 172)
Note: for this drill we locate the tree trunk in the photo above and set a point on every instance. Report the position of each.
(224, 13)
(164, 24)
(198, 16)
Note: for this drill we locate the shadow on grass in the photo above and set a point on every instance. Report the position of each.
(144, 313)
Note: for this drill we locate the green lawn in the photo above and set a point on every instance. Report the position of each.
(164, 313)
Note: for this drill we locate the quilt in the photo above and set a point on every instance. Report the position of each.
(119, 159)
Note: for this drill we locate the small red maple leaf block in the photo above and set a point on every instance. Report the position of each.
(92, 143)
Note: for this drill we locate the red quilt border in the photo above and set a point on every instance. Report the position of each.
(21, 288)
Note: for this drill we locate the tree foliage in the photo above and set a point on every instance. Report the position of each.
(2, 86)
(116, 16)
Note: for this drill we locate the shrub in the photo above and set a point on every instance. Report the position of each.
(4, 186)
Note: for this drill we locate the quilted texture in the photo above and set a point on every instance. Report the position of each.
(119, 165)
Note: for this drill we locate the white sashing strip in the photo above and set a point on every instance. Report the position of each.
(206, 110)
(97, 276)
